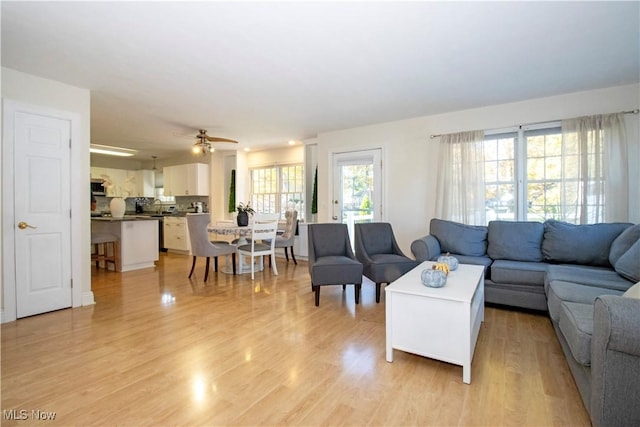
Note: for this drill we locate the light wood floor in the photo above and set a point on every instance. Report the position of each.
(159, 349)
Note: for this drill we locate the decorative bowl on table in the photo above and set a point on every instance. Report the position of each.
(433, 278)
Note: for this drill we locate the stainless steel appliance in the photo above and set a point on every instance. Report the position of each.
(96, 187)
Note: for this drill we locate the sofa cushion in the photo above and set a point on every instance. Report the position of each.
(565, 291)
(516, 241)
(628, 265)
(623, 243)
(518, 272)
(459, 238)
(576, 324)
(580, 244)
(598, 277)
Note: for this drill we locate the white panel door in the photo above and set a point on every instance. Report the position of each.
(42, 213)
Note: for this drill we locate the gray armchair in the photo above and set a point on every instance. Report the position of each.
(286, 239)
(201, 246)
(331, 259)
(378, 251)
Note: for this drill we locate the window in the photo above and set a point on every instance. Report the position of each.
(531, 173)
(500, 176)
(276, 188)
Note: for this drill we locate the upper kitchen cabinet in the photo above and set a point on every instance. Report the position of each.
(126, 183)
(186, 180)
(145, 183)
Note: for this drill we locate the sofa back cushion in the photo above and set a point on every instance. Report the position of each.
(458, 238)
(580, 244)
(628, 265)
(516, 241)
(623, 243)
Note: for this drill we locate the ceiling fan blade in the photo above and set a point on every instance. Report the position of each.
(216, 139)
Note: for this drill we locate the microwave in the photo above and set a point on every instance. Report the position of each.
(96, 187)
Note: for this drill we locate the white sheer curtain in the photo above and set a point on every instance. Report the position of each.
(594, 170)
(460, 186)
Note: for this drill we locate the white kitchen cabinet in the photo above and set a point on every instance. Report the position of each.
(118, 178)
(186, 180)
(143, 183)
(176, 235)
(96, 172)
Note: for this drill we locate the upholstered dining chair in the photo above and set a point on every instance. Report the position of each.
(286, 239)
(263, 240)
(378, 251)
(331, 259)
(202, 247)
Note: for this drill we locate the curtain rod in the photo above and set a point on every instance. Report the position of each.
(636, 111)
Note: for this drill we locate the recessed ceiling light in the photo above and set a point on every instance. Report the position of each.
(111, 151)
(247, 149)
(292, 142)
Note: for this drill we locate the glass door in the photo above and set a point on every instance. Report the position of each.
(357, 191)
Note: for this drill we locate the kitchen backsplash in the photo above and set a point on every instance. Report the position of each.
(182, 204)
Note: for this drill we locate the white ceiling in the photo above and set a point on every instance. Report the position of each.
(267, 72)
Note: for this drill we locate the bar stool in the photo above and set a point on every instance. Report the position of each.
(105, 243)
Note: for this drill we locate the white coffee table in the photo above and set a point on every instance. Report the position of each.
(439, 323)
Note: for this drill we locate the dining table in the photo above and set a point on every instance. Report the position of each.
(223, 228)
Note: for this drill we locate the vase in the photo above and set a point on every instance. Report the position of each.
(243, 219)
(117, 207)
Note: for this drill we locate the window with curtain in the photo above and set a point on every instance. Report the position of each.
(275, 189)
(562, 170)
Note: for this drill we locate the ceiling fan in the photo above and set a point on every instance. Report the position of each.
(203, 145)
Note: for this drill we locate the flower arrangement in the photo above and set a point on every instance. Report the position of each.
(114, 191)
(245, 208)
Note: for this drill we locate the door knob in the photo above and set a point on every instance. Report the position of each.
(335, 218)
(22, 225)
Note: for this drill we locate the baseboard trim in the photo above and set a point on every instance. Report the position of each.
(87, 298)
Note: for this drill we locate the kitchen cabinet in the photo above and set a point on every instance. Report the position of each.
(96, 172)
(138, 240)
(186, 180)
(127, 183)
(145, 183)
(176, 235)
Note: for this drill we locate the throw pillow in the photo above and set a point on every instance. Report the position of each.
(515, 241)
(628, 266)
(460, 239)
(623, 242)
(580, 244)
(633, 292)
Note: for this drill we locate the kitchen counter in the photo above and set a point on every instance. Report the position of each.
(140, 217)
(138, 236)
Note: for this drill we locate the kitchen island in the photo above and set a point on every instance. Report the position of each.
(138, 239)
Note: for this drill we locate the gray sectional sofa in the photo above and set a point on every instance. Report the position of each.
(579, 275)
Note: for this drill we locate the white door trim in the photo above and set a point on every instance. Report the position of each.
(79, 247)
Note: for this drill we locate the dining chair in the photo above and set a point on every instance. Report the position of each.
(379, 253)
(286, 239)
(202, 247)
(263, 239)
(331, 259)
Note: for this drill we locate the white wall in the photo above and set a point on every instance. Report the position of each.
(276, 156)
(36, 91)
(410, 157)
